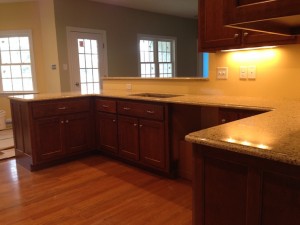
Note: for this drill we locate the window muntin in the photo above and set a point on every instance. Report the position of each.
(89, 65)
(16, 70)
(157, 57)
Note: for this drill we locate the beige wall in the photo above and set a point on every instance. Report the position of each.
(278, 75)
(122, 26)
(49, 42)
(23, 16)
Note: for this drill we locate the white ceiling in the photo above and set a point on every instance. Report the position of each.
(182, 8)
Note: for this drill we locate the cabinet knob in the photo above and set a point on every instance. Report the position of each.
(141, 125)
(67, 121)
(61, 121)
(135, 124)
(223, 120)
(236, 35)
(114, 121)
(246, 34)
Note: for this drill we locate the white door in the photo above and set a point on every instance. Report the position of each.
(87, 60)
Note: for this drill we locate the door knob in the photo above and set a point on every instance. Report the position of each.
(77, 84)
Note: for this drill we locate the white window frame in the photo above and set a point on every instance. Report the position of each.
(157, 38)
(18, 33)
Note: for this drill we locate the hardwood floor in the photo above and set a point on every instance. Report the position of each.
(93, 190)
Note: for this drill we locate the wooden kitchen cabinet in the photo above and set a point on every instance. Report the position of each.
(129, 137)
(231, 188)
(58, 136)
(143, 133)
(49, 138)
(107, 125)
(54, 130)
(213, 35)
(279, 17)
(227, 115)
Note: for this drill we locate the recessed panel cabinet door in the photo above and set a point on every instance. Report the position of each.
(152, 143)
(78, 132)
(128, 131)
(212, 32)
(49, 138)
(107, 132)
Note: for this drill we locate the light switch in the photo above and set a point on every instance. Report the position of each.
(251, 72)
(243, 72)
(222, 73)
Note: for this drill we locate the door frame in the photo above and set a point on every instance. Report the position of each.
(70, 56)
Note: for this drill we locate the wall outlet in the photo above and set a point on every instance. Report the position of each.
(128, 87)
(222, 73)
(252, 72)
(243, 72)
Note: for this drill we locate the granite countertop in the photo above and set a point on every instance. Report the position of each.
(273, 135)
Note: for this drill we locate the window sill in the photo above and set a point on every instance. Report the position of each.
(4, 94)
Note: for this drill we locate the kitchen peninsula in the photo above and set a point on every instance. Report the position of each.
(247, 170)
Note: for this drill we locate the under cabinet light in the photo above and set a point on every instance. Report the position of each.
(248, 49)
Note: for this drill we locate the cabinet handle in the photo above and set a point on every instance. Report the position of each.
(105, 106)
(67, 121)
(223, 120)
(126, 108)
(246, 34)
(62, 108)
(236, 35)
(150, 111)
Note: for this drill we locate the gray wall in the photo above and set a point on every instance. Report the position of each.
(122, 26)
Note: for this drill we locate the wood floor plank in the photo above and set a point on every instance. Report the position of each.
(92, 190)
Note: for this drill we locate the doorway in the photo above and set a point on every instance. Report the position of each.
(87, 59)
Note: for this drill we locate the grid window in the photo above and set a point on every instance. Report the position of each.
(16, 71)
(89, 65)
(157, 57)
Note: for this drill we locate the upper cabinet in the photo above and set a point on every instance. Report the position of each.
(276, 16)
(214, 35)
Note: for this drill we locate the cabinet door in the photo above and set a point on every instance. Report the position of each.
(78, 132)
(213, 35)
(278, 17)
(280, 199)
(152, 143)
(107, 132)
(227, 115)
(49, 138)
(253, 39)
(128, 134)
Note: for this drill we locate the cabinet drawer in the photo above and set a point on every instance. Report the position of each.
(106, 105)
(144, 110)
(52, 108)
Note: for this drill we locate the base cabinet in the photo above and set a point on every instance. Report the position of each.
(152, 143)
(107, 132)
(143, 134)
(53, 130)
(235, 189)
(78, 133)
(106, 125)
(49, 139)
(129, 137)
(135, 131)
